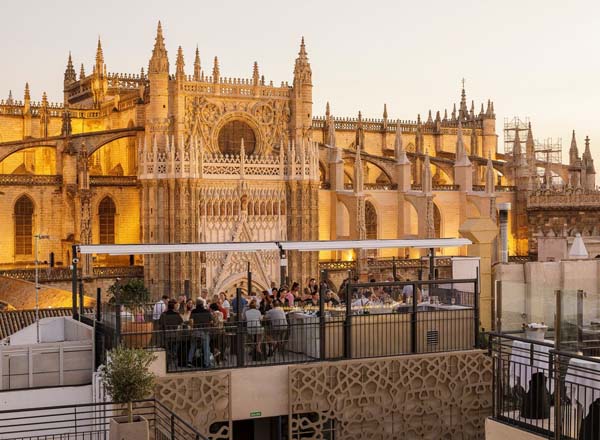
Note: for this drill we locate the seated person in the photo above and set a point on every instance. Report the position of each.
(331, 298)
(171, 319)
(253, 325)
(278, 324)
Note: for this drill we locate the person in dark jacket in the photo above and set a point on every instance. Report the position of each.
(200, 320)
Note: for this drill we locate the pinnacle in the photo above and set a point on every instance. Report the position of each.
(302, 52)
(159, 41)
(99, 53)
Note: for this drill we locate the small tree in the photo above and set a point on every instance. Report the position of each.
(126, 376)
(131, 293)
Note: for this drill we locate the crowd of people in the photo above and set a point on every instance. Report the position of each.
(210, 319)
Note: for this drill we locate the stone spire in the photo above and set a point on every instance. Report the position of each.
(461, 153)
(331, 132)
(99, 68)
(327, 111)
(463, 112)
(360, 133)
(429, 118)
(70, 75)
(589, 162)
(530, 145)
(197, 69)
(489, 176)
(399, 151)
(81, 72)
(587, 154)
(573, 151)
(302, 70)
(516, 148)
(445, 115)
(27, 112)
(385, 113)
(454, 113)
(180, 64)
(216, 73)
(358, 172)
(427, 183)
(159, 62)
(255, 74)
(472, 111)
(335, 153)
(10, 100)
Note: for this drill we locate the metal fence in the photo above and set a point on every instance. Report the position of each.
(445, 317)
(90, 422)
(538, 389)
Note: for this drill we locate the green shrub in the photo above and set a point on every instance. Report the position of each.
(126, 377)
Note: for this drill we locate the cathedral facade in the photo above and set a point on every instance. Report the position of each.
(185, 154)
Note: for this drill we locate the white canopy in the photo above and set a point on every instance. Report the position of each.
(323, 245)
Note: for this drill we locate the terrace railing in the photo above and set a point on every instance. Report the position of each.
(445, 317)
(90, 421)
(541, 390)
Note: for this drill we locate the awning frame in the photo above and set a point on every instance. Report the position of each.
(280, 246)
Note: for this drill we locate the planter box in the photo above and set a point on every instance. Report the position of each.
(142, 334)
(120, 429)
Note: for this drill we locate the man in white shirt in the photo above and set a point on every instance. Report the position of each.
(159, 308)
(407, 291)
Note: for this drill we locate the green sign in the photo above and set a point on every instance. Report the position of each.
(255, 414)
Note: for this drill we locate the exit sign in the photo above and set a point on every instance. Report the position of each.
(255, 414)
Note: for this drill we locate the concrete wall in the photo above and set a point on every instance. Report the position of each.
(53, 330)
(22, 399)
(46, 365)
(499, 431)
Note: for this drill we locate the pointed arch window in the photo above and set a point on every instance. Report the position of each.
(106, 214)
(24, 226)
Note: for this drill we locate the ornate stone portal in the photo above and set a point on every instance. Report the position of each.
(203, 182)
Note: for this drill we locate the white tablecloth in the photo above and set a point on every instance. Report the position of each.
(582, 382)
(522, 367)
(304, 334)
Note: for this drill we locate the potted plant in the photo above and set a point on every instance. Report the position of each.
(126, 378)
(135, 330)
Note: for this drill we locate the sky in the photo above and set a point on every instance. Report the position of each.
(535, 59)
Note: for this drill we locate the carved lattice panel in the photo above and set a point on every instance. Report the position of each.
(433, 396)
(199, 399)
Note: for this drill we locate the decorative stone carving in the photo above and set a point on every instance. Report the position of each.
(432, 396)
(202, 400)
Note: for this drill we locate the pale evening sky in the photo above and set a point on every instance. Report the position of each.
(533, 58)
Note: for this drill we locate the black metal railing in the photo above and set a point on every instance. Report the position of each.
(90, 421)
(542, 390)
(380, 319)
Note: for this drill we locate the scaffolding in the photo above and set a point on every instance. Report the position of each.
(511, 127)
(547, 151)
